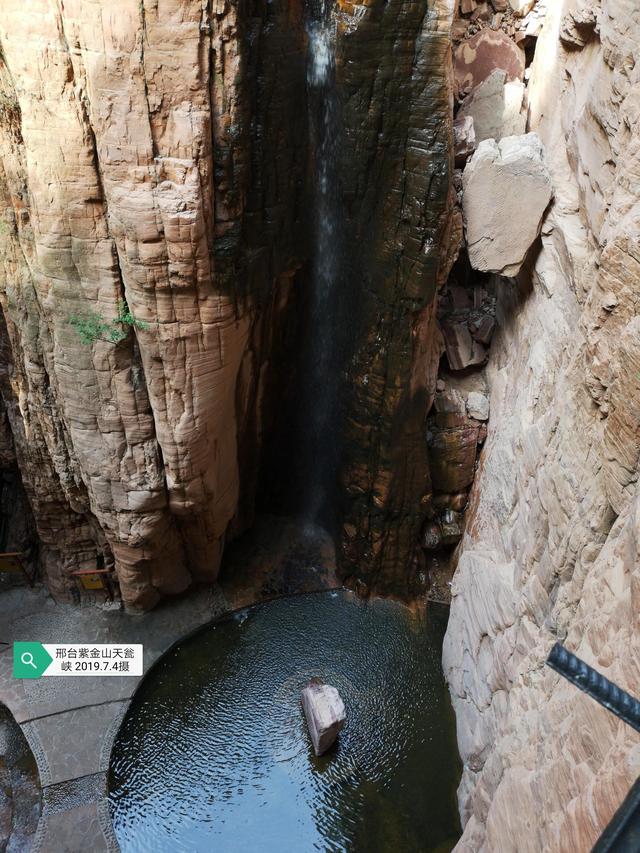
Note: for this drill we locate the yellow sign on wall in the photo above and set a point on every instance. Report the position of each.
(91, 581)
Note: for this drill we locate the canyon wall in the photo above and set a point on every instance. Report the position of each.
(154, 155)
(146, 155)
(394, 73)
(550, 550)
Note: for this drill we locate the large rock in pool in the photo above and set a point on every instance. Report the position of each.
(506, 190)
(325, 713)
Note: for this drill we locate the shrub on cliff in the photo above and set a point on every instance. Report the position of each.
(93, 327)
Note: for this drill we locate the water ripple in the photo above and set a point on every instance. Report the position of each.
(214, 753)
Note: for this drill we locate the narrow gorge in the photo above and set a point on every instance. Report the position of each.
(335, 303)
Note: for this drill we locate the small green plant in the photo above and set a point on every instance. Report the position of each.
(93, 327)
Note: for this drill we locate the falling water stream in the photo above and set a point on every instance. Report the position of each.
(324, 344)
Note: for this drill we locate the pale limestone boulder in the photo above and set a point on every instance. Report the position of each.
(478, 406)
(495, 107)
(325, 713)
(506, 190)
(521, 7)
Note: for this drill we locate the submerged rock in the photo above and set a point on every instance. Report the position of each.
(325, 713)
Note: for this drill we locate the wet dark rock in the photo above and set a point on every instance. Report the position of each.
(452, 454)
(432, 536)
(443, 532)
(449, 402)
(451, 526)
(401, 225)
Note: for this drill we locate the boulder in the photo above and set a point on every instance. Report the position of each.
(462, 351)
(325, 713)
(495, 108)
(475, 58)
(483, 330)
(506, 190)
(482, 12)
(449, 403)
(464, 139)
(521, 7)
(478, 406)
(451, 527)
(452, 458)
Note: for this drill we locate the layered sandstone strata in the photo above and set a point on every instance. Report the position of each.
(157, 152)
(551, 546)
(139, 161)
(394, 75)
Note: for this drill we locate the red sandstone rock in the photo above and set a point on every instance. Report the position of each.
(477, 57)
(452, 455)
(462, 351)
(483, 332)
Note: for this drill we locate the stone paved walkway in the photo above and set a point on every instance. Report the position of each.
(71, 723)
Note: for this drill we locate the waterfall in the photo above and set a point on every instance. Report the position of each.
(324, 349)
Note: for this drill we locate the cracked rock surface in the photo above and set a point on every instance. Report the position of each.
(550, 549)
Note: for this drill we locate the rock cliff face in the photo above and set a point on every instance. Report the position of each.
(394, 70)
(551, 545)
(158, 154)
(140, 161)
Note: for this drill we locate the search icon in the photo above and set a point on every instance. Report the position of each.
(27, 659)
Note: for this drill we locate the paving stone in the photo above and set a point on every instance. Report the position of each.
(74, 831)
(73, 740)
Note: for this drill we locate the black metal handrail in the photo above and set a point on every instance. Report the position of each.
(622, 835)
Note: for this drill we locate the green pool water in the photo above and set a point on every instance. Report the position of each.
(214, 754)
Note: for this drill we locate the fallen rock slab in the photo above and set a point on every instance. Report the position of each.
(325, 713)
(506, 190)
(495, 107)
(462, 351)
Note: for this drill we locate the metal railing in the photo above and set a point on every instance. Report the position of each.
(622, 835)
